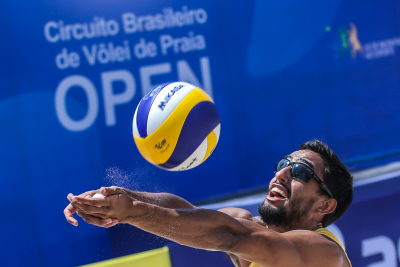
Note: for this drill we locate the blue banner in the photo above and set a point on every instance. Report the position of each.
(281, 73)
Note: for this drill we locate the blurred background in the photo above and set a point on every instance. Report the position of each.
(280, 72)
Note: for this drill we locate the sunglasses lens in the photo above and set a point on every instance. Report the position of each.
(301, 172)
(281, 164)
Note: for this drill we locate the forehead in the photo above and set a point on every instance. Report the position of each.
(311, 159)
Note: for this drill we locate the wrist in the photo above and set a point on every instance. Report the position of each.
(133, 194)
(141, 211)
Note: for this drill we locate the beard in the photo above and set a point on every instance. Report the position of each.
(286, 216)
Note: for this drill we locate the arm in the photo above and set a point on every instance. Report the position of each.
(149, 217)
(213, 230)
(242, 214)
(165, 200)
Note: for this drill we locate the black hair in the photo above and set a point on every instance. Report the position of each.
(336, 177)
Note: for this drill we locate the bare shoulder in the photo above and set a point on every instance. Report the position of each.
(294, 248)
(317, 249)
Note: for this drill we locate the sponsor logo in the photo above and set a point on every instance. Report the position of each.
(153, 92)
(190, 164)
(161, 145)
(166, 99)
(349, 42)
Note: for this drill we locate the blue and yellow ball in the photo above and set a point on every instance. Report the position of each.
(176, 126)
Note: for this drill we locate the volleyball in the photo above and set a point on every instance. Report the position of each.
(176, 126)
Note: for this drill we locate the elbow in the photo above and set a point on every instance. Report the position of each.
(223, 242)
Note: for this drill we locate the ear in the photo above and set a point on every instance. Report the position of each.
(327, 206)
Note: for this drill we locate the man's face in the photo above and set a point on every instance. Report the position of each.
(290, 201)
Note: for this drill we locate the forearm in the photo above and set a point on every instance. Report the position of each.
(165, 200)
(199, 228)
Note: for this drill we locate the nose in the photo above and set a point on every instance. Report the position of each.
(284, 176)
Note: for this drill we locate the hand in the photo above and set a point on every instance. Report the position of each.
(70, 210)
(117, 206)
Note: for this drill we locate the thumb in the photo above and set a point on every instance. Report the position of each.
(112, 190)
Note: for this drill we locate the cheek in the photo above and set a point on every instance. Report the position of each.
(304, 190)
(298, 188)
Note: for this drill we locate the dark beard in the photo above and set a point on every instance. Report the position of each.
(285, 216)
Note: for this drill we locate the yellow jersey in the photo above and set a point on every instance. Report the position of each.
(327, 233)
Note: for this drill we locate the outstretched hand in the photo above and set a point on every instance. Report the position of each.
(103, 212)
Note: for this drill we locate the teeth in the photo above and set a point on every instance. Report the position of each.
(278, 191)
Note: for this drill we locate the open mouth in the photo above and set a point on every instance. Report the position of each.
(276, 194)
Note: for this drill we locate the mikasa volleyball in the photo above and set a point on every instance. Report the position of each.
(176, 126)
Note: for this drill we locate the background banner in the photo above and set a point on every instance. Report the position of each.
(281, 73)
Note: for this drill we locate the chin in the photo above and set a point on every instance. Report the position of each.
(285, 215)
(276, 204)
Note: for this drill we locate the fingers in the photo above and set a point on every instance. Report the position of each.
(97, 202)
(70, 196)
(91, 209)
(112, 190)
(69, 215)
(98, 221)
(88, 194)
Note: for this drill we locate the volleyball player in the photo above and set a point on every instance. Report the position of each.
(311, 189)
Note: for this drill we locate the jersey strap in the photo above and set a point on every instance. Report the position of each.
(330, 235)
(324, 232)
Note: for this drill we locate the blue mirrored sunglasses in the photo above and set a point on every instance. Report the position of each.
(301, 172)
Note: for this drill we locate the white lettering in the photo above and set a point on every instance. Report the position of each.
(103, 55)
(77, 31)
(111, 79)
(380, 245)
(110, 99)
(182, 45)
(90, 56)
(201, 16)
(49, 37)
(143, 49)
(60, 103)
(128, 20)
(166, 42)
(107, 53)
(167, 19)
(112, 27)
(99, 27)
(65, 60)
(74, 59)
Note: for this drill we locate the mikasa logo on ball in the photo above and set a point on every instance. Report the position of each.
(169, 95)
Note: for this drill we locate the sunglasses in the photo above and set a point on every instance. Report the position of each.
(301, 172)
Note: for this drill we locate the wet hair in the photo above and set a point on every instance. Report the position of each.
(336, 177)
